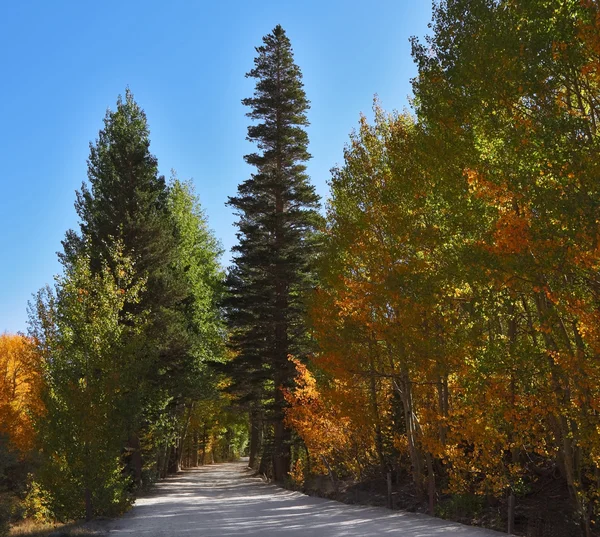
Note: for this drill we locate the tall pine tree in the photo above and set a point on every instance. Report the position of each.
(278, 215)
(127, 201)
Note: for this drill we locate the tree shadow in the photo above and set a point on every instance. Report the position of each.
(224, 500)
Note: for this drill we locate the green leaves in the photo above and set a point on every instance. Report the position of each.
(278, 215)
(91, 380)
(130, 327)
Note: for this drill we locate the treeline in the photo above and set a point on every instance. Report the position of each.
(441, 323)
(457, 312)
(112, 388)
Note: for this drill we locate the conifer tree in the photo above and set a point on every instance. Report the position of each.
(278, 215)
(126, 200)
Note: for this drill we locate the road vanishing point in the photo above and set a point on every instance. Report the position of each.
(223, 500)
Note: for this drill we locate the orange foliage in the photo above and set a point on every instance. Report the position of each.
(329, 422)
(20, 382)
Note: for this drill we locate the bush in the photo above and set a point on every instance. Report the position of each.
(37, 502)
(460, 506)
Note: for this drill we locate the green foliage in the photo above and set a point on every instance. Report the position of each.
(163, 232)
(197, 265)
(90, 385)
(37, 503)
(460, 506)
(126, 201)
(14, 466)
(5, 514)
(277, 212)
(230, 434)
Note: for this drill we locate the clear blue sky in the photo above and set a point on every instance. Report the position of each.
(64, 63)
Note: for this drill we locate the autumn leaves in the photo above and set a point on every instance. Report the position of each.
(457, 313)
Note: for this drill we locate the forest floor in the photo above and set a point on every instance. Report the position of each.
(225, 500)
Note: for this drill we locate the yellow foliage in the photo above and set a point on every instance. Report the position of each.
(20, 382)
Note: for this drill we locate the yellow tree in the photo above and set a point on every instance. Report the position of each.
(20, 382)
(512, 86)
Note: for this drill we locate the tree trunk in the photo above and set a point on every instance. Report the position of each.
(511, 514)
(165, 462)
(89, 508)
(204, 440)
(282, 455)
(375, 408)
(195, 448)
(254, 437)
(282, 436)
(402, 386)
(173, 467)
(430, 484)
(136, 459)
(188, 409)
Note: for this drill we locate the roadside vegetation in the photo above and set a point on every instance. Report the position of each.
(430, 343)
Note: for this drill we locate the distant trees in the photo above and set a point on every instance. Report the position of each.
(277, 210)
(200, 336)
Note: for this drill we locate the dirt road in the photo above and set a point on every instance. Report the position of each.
(221, 500)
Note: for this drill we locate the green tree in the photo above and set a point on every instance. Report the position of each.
(202, 336)
(278, 214)
(127, 201)
(90, 374)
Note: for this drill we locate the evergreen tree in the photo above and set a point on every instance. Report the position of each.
(278, 215)
(127, 201)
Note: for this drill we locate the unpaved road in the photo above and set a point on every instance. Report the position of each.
(221, 500)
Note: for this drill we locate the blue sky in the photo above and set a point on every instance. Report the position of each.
(65, 62)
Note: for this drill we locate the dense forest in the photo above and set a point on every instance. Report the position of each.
(436, 332)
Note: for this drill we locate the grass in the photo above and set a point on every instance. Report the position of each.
(30, 528)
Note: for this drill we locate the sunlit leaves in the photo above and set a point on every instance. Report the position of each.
(20, 384)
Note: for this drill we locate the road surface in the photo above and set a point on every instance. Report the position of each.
(222, 500)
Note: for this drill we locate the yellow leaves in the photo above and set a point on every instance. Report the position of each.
(460, 292)
(20, 384)
(298, 472)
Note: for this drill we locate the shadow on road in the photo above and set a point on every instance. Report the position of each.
(223, 500)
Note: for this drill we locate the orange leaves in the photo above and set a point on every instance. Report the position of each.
(332, 421)
(20, 382)
(512, 234)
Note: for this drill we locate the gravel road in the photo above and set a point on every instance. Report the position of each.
(222, 500)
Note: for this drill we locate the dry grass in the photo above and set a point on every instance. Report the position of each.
(29, 528)
(33, 529)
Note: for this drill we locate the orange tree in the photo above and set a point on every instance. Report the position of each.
(20, 383)
(386, 316)
(20, 380)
